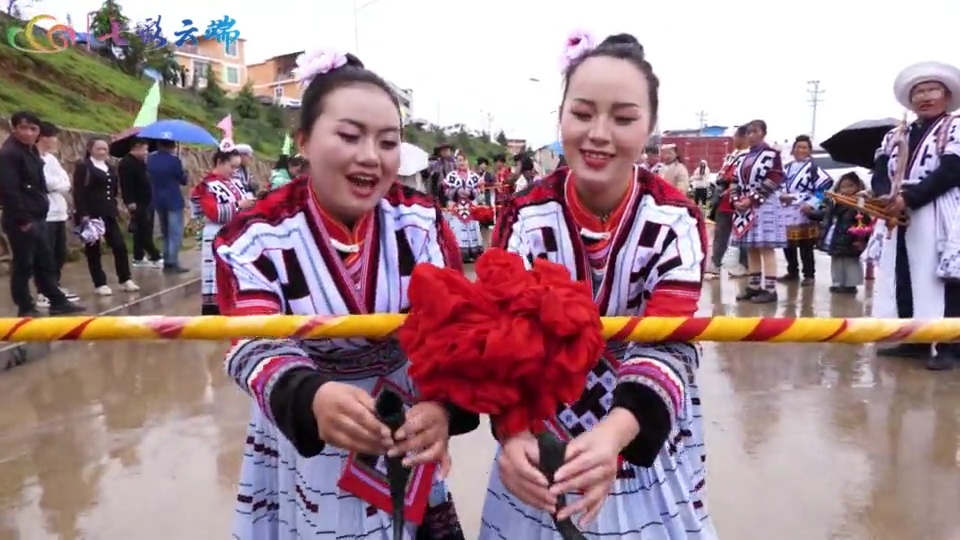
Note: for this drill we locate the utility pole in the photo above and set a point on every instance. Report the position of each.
(816, 98)
(702, 117)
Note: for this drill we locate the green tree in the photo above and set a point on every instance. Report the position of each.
(501, 138)
(213, 93)
(274, 117)
(246, 102)
(108, 21)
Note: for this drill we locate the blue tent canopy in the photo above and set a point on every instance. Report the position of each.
(556, 148)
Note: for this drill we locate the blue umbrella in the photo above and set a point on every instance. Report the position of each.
(178, 131)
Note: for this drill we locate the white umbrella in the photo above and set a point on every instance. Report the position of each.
(412, 159)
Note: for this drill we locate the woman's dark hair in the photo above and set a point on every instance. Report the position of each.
(499, 158)
(622, 47)
(48, 129)
(296, 162)
(221, 157)
(741, 131)
(92, 141)
(851, 177)
(759, 124)
(801, 139)
(483, 161)
(282, 163)
(562, 162)
(350, 74)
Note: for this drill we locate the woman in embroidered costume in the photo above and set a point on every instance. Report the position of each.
(462, 190)
(306, 472)
(758, 223)
(804, 182)
(637, 448)
(219, 197)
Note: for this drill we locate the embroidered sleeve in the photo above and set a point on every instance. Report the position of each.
(823, 182)
(653, 384)
(450, 184)
(279, 376)
(508, 234)
(212, 207)
(771, 174)
(652, 380)
(945, 177)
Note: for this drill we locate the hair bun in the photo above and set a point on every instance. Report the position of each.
(622, 40)
(354, 62)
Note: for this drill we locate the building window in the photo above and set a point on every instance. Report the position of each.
(231, 48)
(201, 69)
(232, 75)
(278, 92)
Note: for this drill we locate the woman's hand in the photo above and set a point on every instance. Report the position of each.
(424, 434)
(518, 463)
(742, 204)
(786, 198)
(346, 418)
(592, 463)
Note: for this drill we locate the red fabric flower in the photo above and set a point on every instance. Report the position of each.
(483, 214)
(515, 344)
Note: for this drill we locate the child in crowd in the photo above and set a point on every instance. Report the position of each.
(837, 240)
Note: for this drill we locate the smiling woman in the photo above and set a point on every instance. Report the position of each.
(636, 454)
(343, 239)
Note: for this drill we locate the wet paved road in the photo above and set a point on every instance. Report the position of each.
(142, 440)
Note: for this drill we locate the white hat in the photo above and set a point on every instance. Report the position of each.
(412, 159)
(244, 149)
(922, 72)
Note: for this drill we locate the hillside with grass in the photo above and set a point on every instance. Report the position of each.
(79, 89)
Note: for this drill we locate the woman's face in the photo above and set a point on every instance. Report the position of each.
(100, 150)
(226, 168)
(669, 155)
(801, 150)
(462, 162)
(849, 187)
(354, 150)
(295, 170)
(755, 135)
(605, 121)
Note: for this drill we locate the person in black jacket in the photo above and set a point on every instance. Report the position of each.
(836, 239)
(137, 193)
(95, 187)
(23, 195)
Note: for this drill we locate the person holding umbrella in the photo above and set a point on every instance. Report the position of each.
(918, 170)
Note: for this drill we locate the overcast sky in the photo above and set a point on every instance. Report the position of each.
(734, 60)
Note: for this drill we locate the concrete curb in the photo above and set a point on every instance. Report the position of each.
(13, 355)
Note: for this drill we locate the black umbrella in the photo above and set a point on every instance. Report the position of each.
(857, 143)
(121, 143)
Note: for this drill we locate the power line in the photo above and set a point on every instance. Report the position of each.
(815, 99)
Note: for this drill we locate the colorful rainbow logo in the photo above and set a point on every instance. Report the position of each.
(59, 36)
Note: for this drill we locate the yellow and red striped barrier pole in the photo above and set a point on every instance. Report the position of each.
(720, 329)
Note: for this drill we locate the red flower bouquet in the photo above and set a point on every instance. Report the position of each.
(483, 214)
(514, 344)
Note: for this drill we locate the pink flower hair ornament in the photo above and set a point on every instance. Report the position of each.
(318, 62)
(226, 145)
(578, 43)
